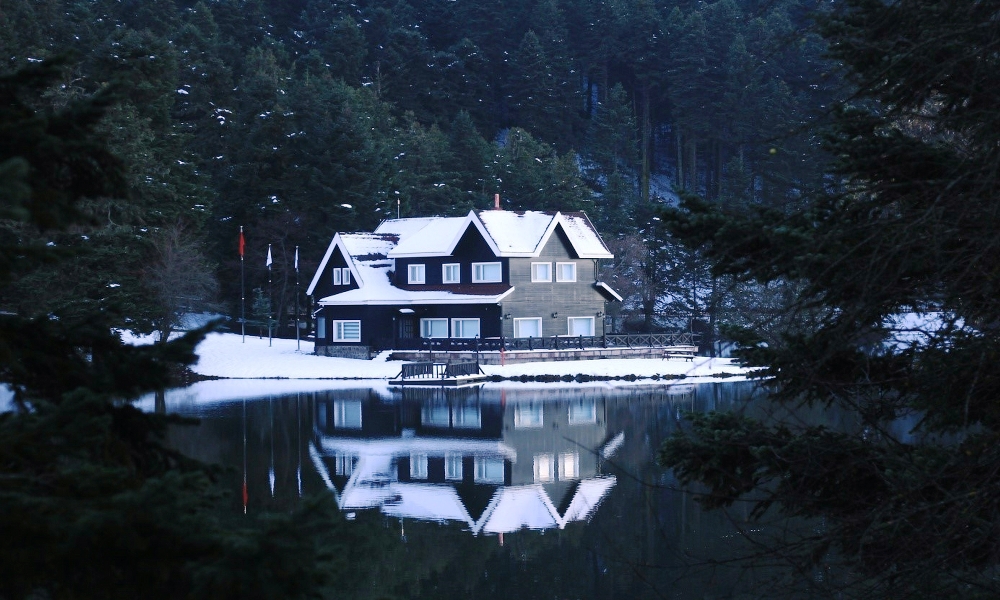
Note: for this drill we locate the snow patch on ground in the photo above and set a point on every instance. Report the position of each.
(231, 356)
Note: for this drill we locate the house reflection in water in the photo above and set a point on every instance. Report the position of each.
(496, 460)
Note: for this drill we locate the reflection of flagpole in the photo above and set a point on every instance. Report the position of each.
(270, 474)
(245, 494)
(297, 298)
(243, 294)
(298, 441)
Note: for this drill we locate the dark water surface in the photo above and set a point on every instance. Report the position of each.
(505, 490)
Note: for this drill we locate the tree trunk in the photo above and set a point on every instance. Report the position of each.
(646, 150)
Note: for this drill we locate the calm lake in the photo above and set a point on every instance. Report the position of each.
(503, 490)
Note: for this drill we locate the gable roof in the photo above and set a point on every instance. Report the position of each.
(525, 233)
(358, 249)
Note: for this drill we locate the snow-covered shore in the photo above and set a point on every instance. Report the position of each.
(228, 355)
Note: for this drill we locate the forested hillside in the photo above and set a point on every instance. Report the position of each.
(300, 118)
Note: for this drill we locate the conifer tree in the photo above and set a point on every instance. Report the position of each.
(894, 322)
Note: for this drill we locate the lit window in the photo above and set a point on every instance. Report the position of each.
(544, 468)
(464, 328)
(569, 466)
(347, 414)
(347, 331)
(489, 470)
(566, 271)
(582, 411)
(528, 327)
(486, 272)
(581, 325)
(336, 276)
(453, 467)
(451, 273)
(347, 275)
(541, 271)
(434, 328)
(415, 274)
(527, 414)
(418, 466)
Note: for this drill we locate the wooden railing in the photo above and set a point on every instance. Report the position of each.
(555, 342)
(432, 370)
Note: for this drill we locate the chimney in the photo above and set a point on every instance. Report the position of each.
(496, 201)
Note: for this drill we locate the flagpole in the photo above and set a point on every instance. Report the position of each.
(270, 296)
(297, 347)
(243, 293)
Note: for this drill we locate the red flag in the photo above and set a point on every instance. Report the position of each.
(243, 243)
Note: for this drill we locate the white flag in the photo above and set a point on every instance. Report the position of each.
(269, 261)
(296, 259)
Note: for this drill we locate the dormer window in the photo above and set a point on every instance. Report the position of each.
(416, 274)
(486, 272)
(451, 273)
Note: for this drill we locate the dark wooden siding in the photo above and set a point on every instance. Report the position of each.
(378, 323)
(470, 248)
(324, 287)
(540, 299)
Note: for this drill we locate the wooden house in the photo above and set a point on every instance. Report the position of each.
(489, 274)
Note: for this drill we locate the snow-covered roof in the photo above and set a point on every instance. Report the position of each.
(370, 255)
(434, 237)
(526, 233)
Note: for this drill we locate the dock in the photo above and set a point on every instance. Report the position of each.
(429, 373)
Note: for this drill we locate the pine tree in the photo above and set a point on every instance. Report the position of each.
(894, 321)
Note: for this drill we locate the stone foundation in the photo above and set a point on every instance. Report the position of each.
(345, 351)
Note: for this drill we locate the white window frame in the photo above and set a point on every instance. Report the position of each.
(569, 326)
(453, 466)
(559, 273)
(458, 324)
(416, 273)
(569, 466)
(336, 275)
(517, 327)
(418, 465)
(544, 466)
(321, 328)
(422, 331)
(478, 272)
(536, 267)
(456, 267)
(481, 474)
(346, 279)
(339, 331)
